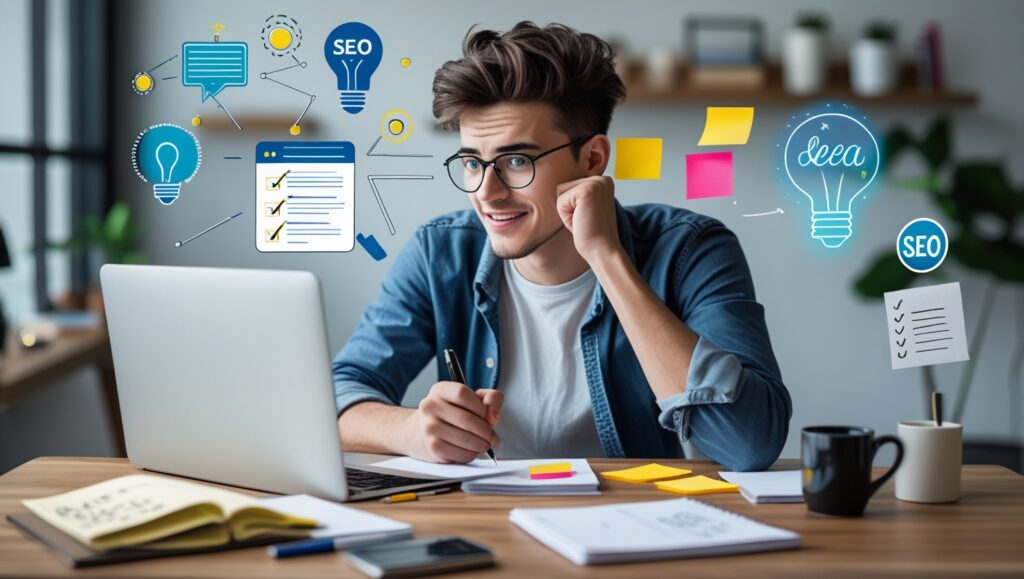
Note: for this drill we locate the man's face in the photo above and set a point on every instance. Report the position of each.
(518, 221)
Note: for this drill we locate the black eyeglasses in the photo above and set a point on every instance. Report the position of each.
(515, 170)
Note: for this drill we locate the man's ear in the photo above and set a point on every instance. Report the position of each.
(595, 153)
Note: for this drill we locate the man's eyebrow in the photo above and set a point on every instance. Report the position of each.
(501, 149)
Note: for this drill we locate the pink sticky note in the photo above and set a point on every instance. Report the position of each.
(551, 475)
(709, 175)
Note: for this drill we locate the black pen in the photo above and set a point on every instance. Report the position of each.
(455, 372)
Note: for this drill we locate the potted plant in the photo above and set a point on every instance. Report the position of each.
(805, 55)
(983, 207)
(115, 238)
(873, 69)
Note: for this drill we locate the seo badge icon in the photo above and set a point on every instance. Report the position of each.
(922, 245)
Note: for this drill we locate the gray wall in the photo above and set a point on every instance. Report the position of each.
(831, 345)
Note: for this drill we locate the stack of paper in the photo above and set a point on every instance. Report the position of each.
(520, 482)
(648, 531)
(782, 486)
(349, 527)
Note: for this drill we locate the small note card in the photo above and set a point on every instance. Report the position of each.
(696, 485)
(926, 326)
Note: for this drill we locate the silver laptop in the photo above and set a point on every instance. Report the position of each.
(225, 375)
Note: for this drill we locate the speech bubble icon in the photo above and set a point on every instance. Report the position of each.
(214, 65)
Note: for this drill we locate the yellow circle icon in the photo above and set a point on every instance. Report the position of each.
(196, 121)
(395, 126)
(295, 129)
(406, 62)
(266, 153)
(143, 83)
(280, 38)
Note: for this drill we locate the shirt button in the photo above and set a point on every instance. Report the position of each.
(489, 362)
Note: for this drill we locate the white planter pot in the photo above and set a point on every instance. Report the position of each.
(662, 70)
(804, 61)
(872, 67)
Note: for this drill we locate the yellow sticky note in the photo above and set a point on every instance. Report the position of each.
(645, 474)
(696, 485)
(638, 158)
(727, 126)
(550, 468)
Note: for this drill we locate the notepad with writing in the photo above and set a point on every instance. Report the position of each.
(160, 513)
(648, 531)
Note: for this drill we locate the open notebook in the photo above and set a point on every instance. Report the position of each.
(648, 531)
(151, 512)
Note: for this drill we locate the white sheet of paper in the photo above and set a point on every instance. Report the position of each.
(926, 326)
(777, 486)
(335, 520)
(479, 468)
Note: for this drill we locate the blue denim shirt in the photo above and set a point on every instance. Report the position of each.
(442, 292)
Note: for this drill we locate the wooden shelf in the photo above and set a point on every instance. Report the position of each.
(771, 92)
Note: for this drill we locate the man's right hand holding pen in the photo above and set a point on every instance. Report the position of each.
(453, 424)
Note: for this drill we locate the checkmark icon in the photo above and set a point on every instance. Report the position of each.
(277, 184)
(899, 319)
(901, 342)
(272, 235)
(900, 331)
(897, 306)
(901, 355)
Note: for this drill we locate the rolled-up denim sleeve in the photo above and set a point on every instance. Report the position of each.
(395, 337)
(735, 407)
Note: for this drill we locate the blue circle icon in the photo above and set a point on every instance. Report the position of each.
(166, 156)
(922, 245)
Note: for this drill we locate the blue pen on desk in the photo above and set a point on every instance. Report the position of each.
(326, 545)
(297, 548)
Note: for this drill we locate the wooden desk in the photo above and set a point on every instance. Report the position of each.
(25, 370)
(981, 535)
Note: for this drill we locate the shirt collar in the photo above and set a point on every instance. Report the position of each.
(486, 284)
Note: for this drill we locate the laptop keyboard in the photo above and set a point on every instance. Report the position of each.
(365, 480)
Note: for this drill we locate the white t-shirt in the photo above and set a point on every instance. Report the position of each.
(547, 411)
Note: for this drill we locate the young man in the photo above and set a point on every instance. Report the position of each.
(585, 328)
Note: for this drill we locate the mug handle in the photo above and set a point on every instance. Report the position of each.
(895, 465)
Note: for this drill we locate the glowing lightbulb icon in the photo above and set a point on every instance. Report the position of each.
(831, 156)
(353, 51)
(167, 156)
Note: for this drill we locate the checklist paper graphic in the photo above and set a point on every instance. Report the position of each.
(926, 326)
(305, 196)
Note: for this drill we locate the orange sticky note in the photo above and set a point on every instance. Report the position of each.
(696, 485)
(551, 468)
(645, 474)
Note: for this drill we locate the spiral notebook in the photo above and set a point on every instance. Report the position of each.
(649, 531)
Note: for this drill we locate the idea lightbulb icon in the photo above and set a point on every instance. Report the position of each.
(353, 51)
(830, 156)
(167, 156)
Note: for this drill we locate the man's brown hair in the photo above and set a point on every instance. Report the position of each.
(557, 65)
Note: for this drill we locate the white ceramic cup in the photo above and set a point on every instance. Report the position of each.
(931, 461)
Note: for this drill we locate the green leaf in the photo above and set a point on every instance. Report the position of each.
(886, 274)
(1002, 258)
(117, 220)
(936, 144)
(982, 186)
(897, 141)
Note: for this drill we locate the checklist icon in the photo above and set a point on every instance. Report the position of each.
(926, 326)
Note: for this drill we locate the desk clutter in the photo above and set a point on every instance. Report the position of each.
(143, 516)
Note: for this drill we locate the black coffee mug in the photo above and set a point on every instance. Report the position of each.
(836, 470)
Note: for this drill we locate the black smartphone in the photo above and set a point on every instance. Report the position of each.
(417, 557)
